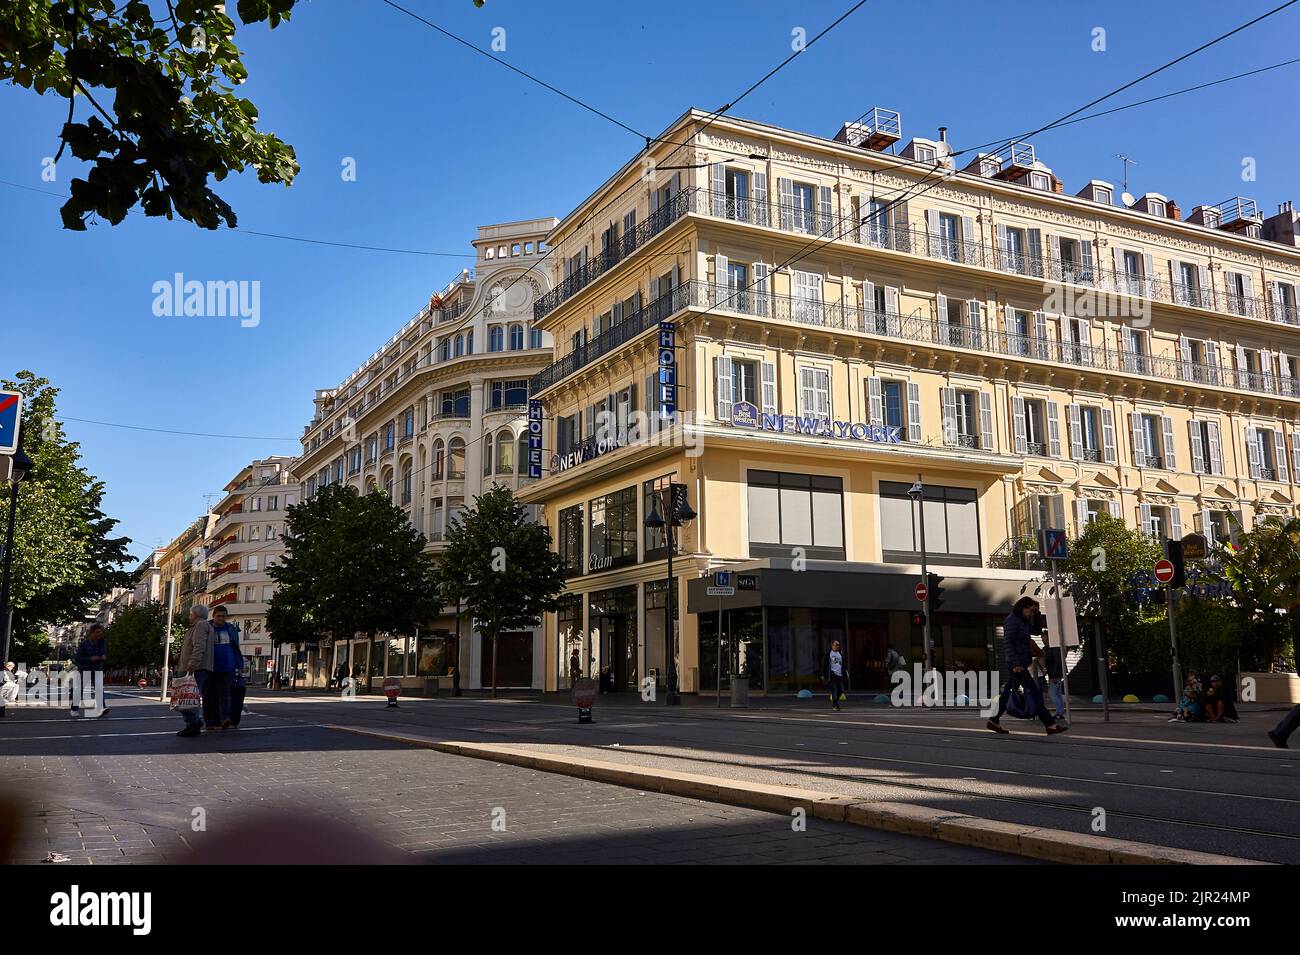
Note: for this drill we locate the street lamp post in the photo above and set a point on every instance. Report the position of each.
(681, 514)
(917, 493)
(20, 468)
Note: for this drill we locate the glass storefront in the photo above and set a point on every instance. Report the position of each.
(742, 648)
(574, 654)
(613, 636)
(656, 606)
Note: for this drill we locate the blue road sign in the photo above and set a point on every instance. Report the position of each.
(722, 578)
(11, 412)
(1054, 544)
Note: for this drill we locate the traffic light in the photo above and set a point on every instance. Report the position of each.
(934, 592)
(1174, 551)
(918, 619)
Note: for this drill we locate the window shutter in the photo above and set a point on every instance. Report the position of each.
(864, 226)
(1139, 445)
(1204, 289)
(1275, 299)
(1119, 263)
(1295, 454)
(900, 226)
(869, 297)
(1080, 515)
(1053, 429)
(1252, 451)
(893, 320)
(1198, 449)
(1040, 334)
(1185, 355)
(1176, 521)
(718, 172)
(769, 388)
(591, 420)
(654, 289)
(807, 386)
(825, 212)
(941, 313)
(760, 286)
(636, 300)
(1144, 519)
(1148, 274)
(785, 187)
(1279, 445)
(1114, 508)
(1085, 258)
(1034, 239)
(875, 403)
(1171, 457)
(969, 239)
(986, 421)
(1215, 461)
(948, 399)
(1085, 341)
(723, 386)
(1212, 359)
(932, 230)
(760, 198)
(975, 322)
(1075, 414)
(1248, 303)
(1241, 366)
(1008, 321)
(914, 412)
(1054, 253)
(1004, 248)
(720, 274)
(677, 277)
(1207, 525)
(1018, 417)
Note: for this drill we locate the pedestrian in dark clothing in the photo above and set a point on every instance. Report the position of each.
(834, 671)
(1220, 701)
(1279, 733)
(91, 653)
(340, 674)
(1055, 682)
(1020, 650)
(226, 662)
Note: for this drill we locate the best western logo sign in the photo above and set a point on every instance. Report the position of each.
(746, 415)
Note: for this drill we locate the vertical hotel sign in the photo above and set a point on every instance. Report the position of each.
(667, 371)
(534, 438)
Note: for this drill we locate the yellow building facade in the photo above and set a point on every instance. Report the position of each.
(848, 318)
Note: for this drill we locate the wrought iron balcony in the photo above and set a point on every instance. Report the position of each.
(970, 441)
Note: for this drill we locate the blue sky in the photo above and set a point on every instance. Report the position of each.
(445, 140)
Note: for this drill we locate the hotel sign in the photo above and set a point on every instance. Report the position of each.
(534, 438)
(667, 371)
(745, 415)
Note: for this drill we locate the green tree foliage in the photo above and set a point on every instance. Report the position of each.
(161, 116)
(134, 640)
(501, 565)
(1263, 570)
(352, 564)
(64, 552)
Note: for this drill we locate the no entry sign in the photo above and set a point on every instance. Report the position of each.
(921, 591)
(1164, 571)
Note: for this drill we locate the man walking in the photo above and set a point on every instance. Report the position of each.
(1278, 734)
(1020, 649)
(226, 662)
(196, 658)
(89, 660)
(1055, 686)
(833, 670)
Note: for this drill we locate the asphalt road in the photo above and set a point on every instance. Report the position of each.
(124, 789)
(1210, 787)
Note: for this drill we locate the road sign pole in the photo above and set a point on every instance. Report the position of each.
(925, 576)
(1060, 637)
(1173, 643)
(718, 704)
(167, 642)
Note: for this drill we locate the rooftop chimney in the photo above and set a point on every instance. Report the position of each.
(943, 134)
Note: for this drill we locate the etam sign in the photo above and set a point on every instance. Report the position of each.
(746, 415)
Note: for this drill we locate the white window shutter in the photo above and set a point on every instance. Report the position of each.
(948, 399)
(1167, 445)
(1018, 421)
(785, 188)
(723, 386)
(1114, 508)
(1075, 414)
(1054, 250)
(654, 289)
(869, 295)
(1198, 448)
(718, 172)
(975, 322)
(1148, 274)
(1119, 263)
(875, 403)
(1215, 455)
(969, 240)
(1207, 525)
(807, 391)
(720, 274)
(1295, 454)
(1279, 455)
(893, 320)
(1212, 359)
(914, 412)
(1053, 429)
(1176, 521)
(1275, 298)
(1185, 354)
(986, 421)
(769, 387)
(1139, 445)
(932, 230)
(1080, 515)
(1040, 334)
(1034, 241)
(825, 211)
(760, 198)
(1252, 451)
(760, 287)
(941, 314)
(1108, 436)
(1144, 520)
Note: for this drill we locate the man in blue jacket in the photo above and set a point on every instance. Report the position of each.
(91, 654)
(1019, 647)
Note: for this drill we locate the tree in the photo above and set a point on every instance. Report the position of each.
(1263, 570)
(173, 122)
(352, 564)
(134, 640)
(500, 563)
(64, 552)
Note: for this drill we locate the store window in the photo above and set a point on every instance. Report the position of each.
(569, 544)
(951, 525)
(796, 510)
(613, 530)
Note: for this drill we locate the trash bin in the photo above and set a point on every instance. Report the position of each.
(740, 690)
(430, 686)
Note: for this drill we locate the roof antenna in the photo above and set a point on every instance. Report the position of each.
(1128, 200)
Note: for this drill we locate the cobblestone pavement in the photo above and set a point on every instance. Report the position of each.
(125, 789)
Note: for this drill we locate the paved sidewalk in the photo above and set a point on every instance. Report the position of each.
(125, 789)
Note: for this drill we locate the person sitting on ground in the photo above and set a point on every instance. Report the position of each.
(1220, 705)
(1190, 709)
(9, 686)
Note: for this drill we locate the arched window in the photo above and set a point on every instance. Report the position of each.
(469, 342)
(505, 453)
(437, 459)
(456, 458)
(522, 456)
(444, 349)
(388, 482)
(487, 454)
(460, 345)
(516, 337)
(534, 338)
(496, 338)
(407, 475)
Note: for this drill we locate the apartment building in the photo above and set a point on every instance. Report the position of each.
(182, 566)
(242, 543)
(432, 419)
(799, 328)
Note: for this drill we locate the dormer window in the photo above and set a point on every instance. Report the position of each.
(1156, 207)
(924, 153)
(1040, 180)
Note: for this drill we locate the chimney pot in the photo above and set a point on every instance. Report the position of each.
(943, 134)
